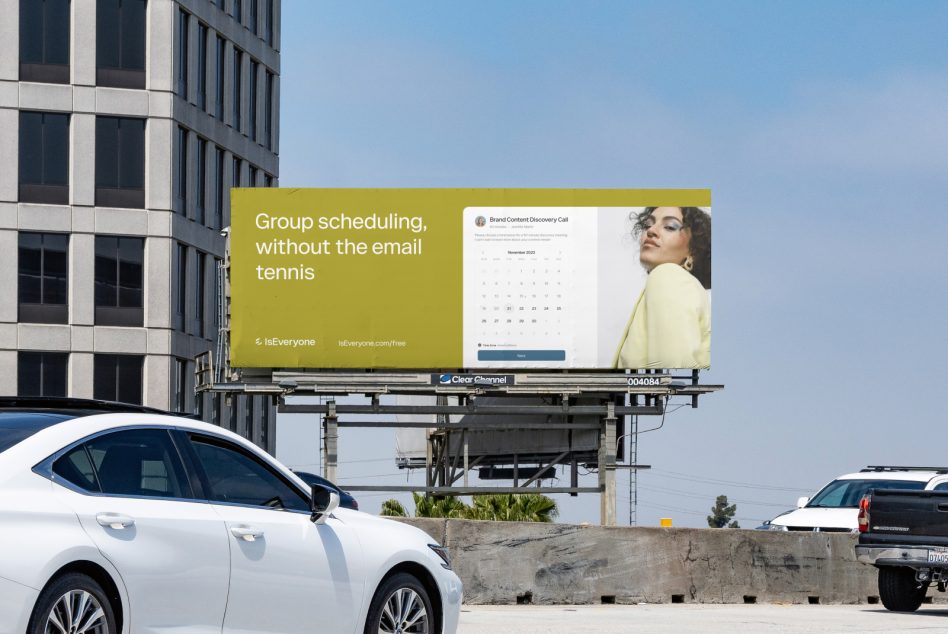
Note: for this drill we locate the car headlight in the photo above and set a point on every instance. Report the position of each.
(442, 552)
(777, 527)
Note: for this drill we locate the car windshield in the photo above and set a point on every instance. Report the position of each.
(16, 426)
(845, 494)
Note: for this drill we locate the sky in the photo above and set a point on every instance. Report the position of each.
(821, 129)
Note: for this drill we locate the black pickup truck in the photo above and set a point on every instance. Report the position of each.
(905, 535)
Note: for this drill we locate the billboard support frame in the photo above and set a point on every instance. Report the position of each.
(443, 470)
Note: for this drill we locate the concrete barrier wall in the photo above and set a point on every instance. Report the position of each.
(511, 562)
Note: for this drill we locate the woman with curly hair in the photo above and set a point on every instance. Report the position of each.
(670, 326)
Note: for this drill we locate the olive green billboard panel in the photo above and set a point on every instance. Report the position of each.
(470, 278)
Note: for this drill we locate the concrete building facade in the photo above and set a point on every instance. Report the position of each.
(123, 126)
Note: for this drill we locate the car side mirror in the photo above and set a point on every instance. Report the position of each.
(802, 502)
(322, 502)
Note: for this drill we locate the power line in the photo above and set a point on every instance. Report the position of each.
(316, 464)
(690, 478)
(390, 494)
(704, 497)
(370, 475)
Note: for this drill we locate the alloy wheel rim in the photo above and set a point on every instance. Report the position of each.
(404, 613)
(77, 612)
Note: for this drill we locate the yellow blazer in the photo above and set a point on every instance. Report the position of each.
(670, 326)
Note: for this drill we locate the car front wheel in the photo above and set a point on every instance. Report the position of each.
(73, 604)
(400, 606)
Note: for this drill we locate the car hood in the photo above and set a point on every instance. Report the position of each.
(841, 518)
(374, 522)
(387, 542)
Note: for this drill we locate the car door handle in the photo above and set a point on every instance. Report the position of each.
(943, 507)
(116, 521)
(246, 533)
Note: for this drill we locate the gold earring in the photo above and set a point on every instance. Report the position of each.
(689, 263)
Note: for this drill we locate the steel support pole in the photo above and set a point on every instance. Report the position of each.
(467, 464)
(607, 468)
(330, 442)
(429, 458)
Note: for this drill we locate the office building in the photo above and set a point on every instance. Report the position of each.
(123, 126)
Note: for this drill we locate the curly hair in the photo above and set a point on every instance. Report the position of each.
(698, 222)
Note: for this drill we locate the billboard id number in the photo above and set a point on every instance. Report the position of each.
(642, 381)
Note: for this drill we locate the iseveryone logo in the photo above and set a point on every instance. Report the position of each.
(484, 380)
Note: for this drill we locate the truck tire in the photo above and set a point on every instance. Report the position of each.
(899, 590)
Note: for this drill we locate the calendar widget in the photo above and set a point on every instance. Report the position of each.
(529, 287)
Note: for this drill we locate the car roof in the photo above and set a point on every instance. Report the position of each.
(305, 476)
(22, 417)
(908, 475)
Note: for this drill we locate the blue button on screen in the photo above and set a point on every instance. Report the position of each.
(521, 355)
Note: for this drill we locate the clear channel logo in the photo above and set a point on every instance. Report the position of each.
(480, 380)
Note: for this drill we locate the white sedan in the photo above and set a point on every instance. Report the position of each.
(145, 523)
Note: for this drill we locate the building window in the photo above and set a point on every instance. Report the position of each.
(219, 79)
(180, 382)
(119, 162)
(44, 41)
(219, 188)
(120, 43)
(201, 176)
(270, 18)
(254, 68)
(238, 11)
(41, 373)
(182, 54)
(181, 292)
(253, 176)
(44, 158)
(43, 279)
(118, 377)
(118, 280)
(202, 66)
(268, 111)
(181, 180)
(200, 294)
(235, 172)
(236, 114)
(252, 25)
(267, 180)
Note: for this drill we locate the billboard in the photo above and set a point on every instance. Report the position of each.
(470, 278)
